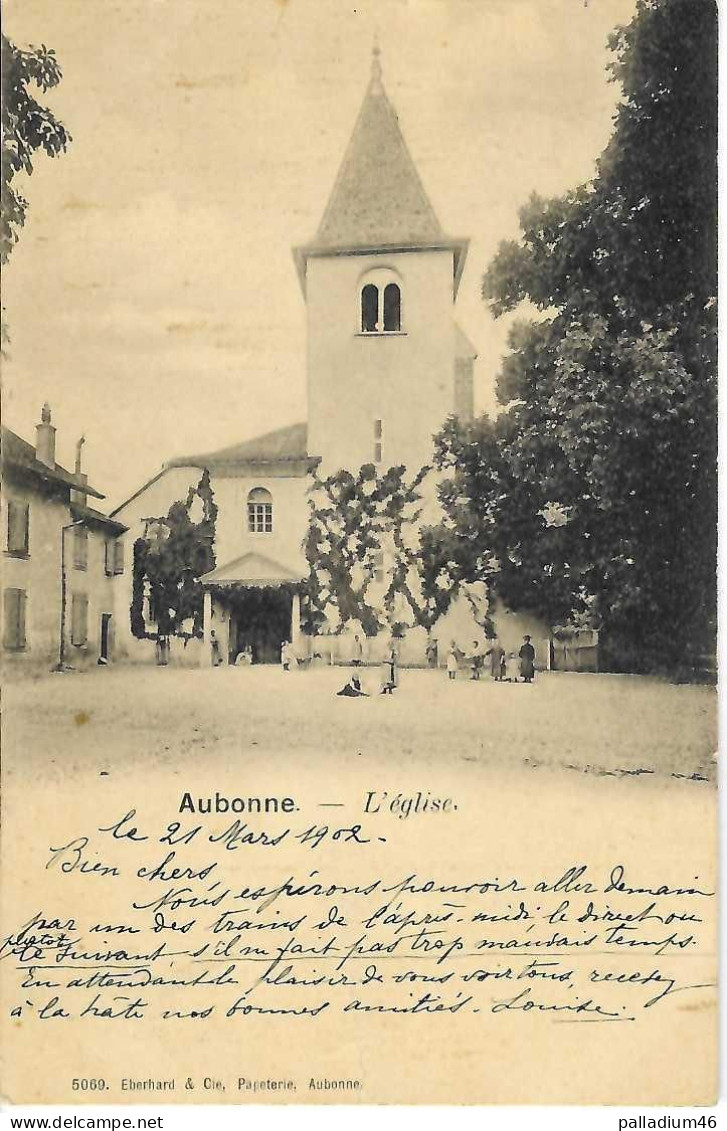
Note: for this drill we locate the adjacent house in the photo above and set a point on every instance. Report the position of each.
(60, 556)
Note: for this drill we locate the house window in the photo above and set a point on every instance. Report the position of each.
(18, 529)
(80, 548)
(14, 602)
(79, 619)
(260, 511)
(378, 441)
(114, 558)
(380, 303)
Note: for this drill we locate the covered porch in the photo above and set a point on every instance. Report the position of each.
(252, 604)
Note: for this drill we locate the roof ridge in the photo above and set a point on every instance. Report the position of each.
(232, 452)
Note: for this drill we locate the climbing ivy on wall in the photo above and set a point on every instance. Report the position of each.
(174, 552)
(362, 523)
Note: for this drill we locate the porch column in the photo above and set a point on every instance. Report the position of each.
(206, 658)
(295, 621)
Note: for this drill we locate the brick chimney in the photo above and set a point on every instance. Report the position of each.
(45, 439)
(80, 497)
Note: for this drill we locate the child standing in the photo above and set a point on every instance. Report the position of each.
(452, 661)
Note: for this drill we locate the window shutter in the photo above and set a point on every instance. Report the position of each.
(118, 557)
(80, 547)
(14, 619)
(108, 557)
(79, 619)
(18, 527)
(21, 613)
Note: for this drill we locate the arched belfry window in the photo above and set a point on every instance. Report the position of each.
(260, 511)
(392, 307)
(380, 302)
(369, 309)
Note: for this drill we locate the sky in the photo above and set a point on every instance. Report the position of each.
(152, 298)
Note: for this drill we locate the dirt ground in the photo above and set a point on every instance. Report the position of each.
(596, 724)
(575, 772)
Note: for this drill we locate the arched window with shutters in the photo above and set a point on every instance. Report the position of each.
(260, 511)
(380, 304)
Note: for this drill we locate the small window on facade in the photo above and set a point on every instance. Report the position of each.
(378, 441)
(118, 557)
(79, 619)
(260, 511)
(80, 548)
(14, 601)
(18, 528)
(392, 307)
(370, 309)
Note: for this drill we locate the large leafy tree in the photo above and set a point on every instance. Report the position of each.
(595, 492)
(371, 560)
(27, 126)
(169, 560)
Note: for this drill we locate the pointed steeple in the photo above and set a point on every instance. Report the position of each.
(378, 198)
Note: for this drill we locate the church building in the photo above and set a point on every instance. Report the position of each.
(386, 365)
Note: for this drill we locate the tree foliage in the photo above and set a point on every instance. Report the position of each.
(594, 494)
(371, 562)
(27, 126)
(169, 560)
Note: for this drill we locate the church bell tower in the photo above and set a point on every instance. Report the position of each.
(386, 362)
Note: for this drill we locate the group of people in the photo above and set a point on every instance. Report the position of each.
(456, 660)
(389, 672)
(476, 660)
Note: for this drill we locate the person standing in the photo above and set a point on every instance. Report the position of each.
(215, 646)
(357, 652)
(496, 653)
(432, 653)
(527, 660)
(452, 661)
(390, 672)
(476, 659)
(285, 656)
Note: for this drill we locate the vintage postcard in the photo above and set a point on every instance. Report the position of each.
(359, 552)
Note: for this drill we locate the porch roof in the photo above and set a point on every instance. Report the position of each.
(252, 569)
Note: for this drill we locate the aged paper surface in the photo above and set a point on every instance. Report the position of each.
(228, 882)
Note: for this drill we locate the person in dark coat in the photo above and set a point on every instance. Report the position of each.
(527, 660)
(390, 672)
(496, 652)
(477, 659)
